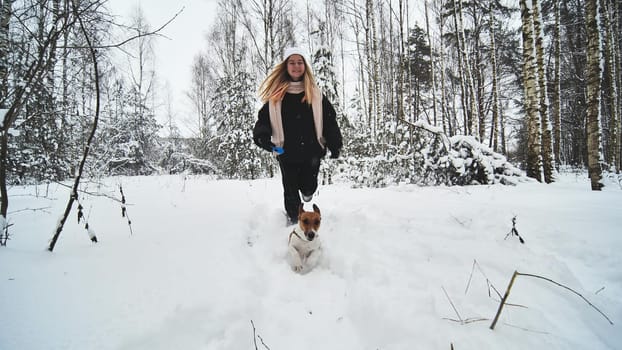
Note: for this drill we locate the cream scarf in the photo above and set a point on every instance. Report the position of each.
(276, 121)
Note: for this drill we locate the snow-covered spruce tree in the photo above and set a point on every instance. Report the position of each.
(130, 136)
(459, 160)
(324, 72)
(38, 148)
(232, 150)
(425, 156)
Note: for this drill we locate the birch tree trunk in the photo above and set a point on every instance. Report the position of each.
(447, 125)
(473, 115)
(432, 71)
(534, 164)
(556, 88)
(466, 118)
(400, 68)
(613, 151)
(548, 164)
(494, 129)
(371, 49)
(594, 154)
(375, 68)
(617, 39)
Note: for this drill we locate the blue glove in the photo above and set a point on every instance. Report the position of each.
(278, 150)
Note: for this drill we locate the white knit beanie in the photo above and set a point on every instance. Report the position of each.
(296, 51)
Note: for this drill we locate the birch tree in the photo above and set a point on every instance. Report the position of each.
(534, 164)
(556, 88)
(462, 66)
(432, 71)
(548, 164)
(201, 87)
(270, 28)
(496, 107)
(594, 152)
(610, 91)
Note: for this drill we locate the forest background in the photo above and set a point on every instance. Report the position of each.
(458, 93)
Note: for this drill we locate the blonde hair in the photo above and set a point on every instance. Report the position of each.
(274, 87)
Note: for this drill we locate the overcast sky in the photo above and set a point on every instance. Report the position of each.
(184, 38)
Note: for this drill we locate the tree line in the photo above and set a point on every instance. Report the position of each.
(536, 81)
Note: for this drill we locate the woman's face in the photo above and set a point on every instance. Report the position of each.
(295, 67)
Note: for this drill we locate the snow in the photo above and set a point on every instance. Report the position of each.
(206, 267)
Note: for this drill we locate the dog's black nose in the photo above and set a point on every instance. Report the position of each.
(310, 235)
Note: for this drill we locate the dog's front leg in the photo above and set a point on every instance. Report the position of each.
(313, 257)
(294, 259)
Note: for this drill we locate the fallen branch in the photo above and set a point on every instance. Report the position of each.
(516, 274)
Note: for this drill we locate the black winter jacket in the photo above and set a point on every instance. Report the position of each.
(298, 127)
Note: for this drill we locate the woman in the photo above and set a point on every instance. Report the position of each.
(296, 123)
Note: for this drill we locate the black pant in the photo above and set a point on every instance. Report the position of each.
(298, 176)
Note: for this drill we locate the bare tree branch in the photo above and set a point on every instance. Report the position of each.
(137, 36)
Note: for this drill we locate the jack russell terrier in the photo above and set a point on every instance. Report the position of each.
(304, 242)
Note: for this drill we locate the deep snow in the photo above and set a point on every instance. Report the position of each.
(207, 258)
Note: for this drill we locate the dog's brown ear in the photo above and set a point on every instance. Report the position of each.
(301, 208)
(316, 209)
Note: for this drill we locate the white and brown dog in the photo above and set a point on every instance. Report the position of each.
(305, 247)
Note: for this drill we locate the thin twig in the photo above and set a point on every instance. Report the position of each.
(140, 35)
(93, 194)
(462, 223)
(467, 321)
(525, 329)
(516, 273)
(569, 289)
(488, 282)
(255, 336)
(452, 305)
(43, 209)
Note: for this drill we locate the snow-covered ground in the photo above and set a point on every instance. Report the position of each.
(205, 268)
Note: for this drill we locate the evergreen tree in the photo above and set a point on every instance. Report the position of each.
(131, 135)
(232, 150)
(419, 68)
